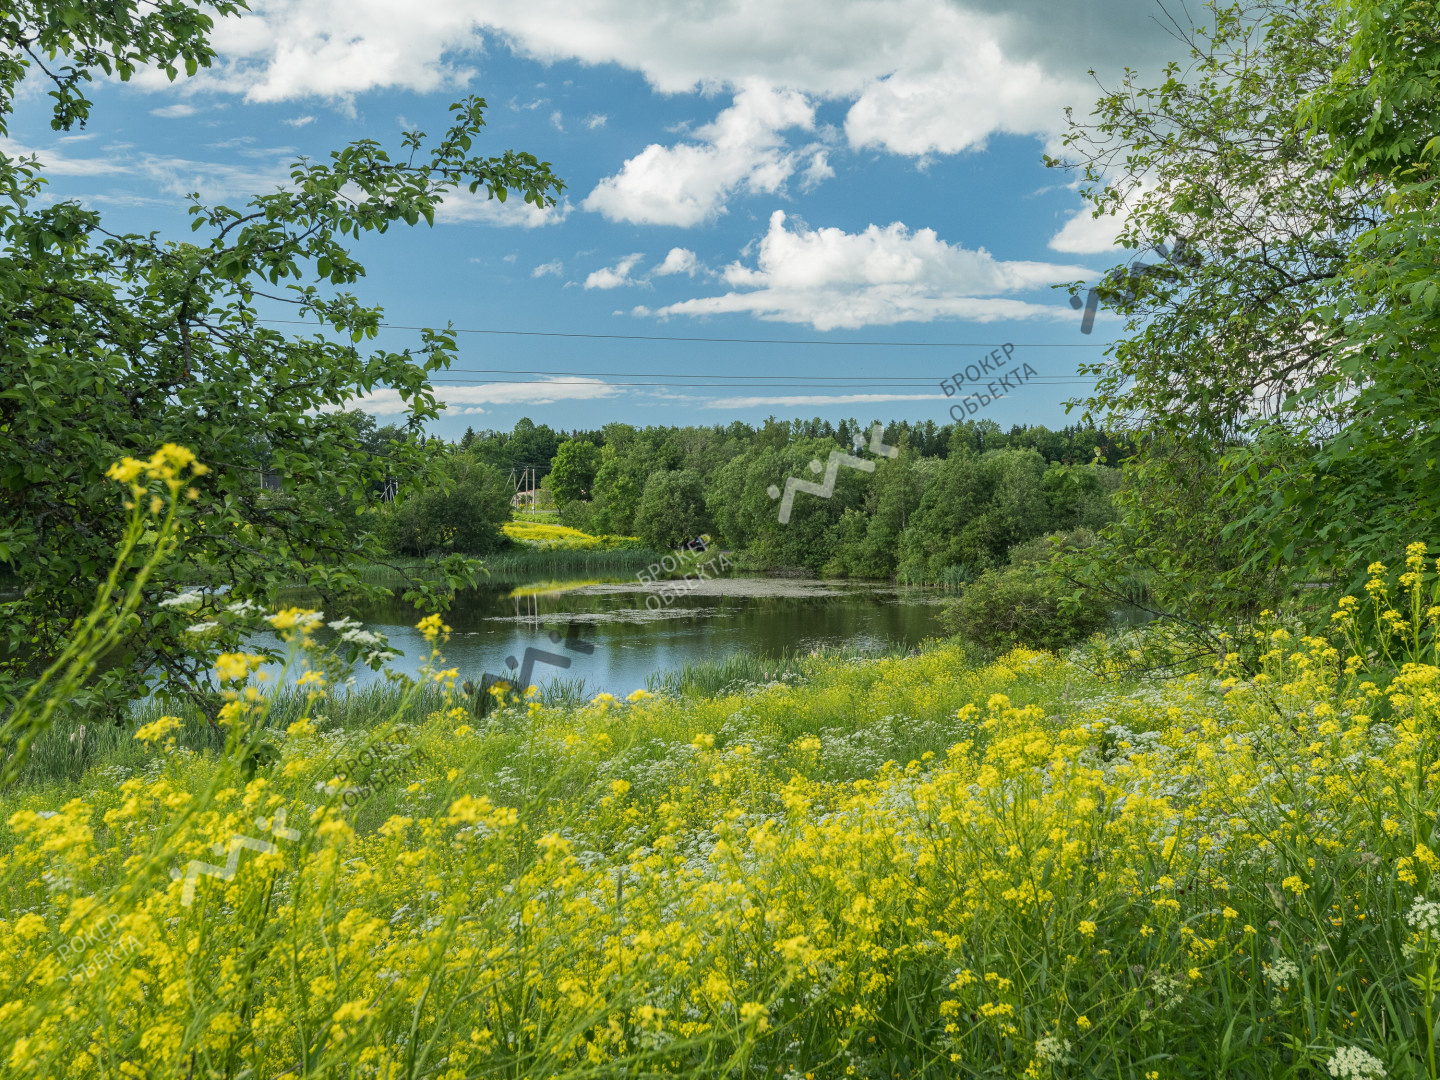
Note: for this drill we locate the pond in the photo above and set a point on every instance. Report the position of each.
(605, 633)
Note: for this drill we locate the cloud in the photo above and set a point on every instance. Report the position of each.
(558, 120)
(817, 171)
(175, 176)
(920, 76)
(595, 120)
(548, 391)
(612, 277)
(299, 121)
(689, 183)
(914, 77)
(833, 279)
(1086, 235)
(557, 268)
(173, 112)
(678, 261)
(800, 400)
(57, 164)
(464, 205)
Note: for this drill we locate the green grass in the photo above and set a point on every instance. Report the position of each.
(740, 672)
(529, 564)
(63, 753)
(521, 564)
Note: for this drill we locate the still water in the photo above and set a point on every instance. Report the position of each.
(604, 633)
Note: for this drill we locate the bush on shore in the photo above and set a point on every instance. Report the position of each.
(1027, 602)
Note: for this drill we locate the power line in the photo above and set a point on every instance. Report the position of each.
(783, 380)
(721, 340)
(815, 384)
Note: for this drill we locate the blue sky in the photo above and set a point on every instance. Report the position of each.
(840, 171)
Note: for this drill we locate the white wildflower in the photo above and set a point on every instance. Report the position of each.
(1352, 1063)
(184, 600)
(1052, 1049)
(1423, 914)
(243, 607)
(360, 637)
(1281, 972)
(341, 625)
(202, 627)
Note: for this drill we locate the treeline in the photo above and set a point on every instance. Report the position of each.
(952, 502)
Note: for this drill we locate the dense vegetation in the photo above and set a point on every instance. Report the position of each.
(950, 505)
(1072, 875)
(1203, 847)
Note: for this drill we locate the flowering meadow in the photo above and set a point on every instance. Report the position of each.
(917, 866)
(549, 537)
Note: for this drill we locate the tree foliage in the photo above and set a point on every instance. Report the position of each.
(572, 471)
(463, 513)
(1352, 490)
(672, 509)
(1277, 366)
(114, 344)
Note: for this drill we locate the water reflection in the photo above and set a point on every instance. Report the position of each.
(764, 616)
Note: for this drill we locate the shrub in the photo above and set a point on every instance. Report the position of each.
(1027, 603)
(465, 517)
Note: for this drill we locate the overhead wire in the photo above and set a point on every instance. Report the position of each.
(720, 340)
(711, 380)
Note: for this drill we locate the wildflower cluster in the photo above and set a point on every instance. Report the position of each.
(1066, 876)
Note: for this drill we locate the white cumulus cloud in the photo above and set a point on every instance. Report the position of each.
(173, 112)
(612, 277)
(556, 267)
(833, 279)
(1086, 235)
(386, 402)
(678, 261)
(915, 77)
(921, 76)
(688, 183)
(462, 205)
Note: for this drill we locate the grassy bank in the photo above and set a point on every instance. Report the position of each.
(917, 865)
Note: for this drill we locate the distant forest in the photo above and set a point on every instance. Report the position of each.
(952, 503)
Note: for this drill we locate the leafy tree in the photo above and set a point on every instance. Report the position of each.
(572, 472)
(810, 538)
(464, 515)
(625, 462)
(1252, 223)
(531, 445)
(868, 541)
(672, 509)
(1350, 472)
(974, 509)
(114, 344)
